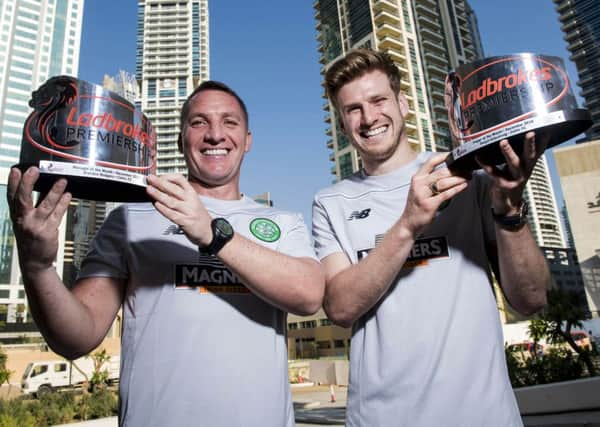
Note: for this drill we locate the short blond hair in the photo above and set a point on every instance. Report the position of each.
(356, 64)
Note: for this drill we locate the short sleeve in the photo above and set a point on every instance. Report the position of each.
(107, 256)
(326, 242)
(296, 241)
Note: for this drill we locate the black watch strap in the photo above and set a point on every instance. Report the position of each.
(222, 233)
(512, 222)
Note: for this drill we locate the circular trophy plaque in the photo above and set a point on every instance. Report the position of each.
(504, 97)
(94, 138)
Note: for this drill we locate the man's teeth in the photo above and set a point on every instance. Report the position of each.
(215, 152)
(376, 131)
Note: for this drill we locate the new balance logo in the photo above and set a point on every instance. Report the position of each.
(359, 214)
(172, 229)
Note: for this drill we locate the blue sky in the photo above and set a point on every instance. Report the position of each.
(267, 51)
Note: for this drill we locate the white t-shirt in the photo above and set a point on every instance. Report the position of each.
(430, 352)
(198, 349)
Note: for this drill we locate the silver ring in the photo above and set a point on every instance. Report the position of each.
(434, 190)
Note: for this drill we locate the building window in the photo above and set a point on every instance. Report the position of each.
(323, 345)
(325, 322)
(309, 324)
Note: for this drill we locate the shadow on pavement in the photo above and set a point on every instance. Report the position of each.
(331, 415)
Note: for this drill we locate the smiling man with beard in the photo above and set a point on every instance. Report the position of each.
(406, 244)
(204, 274)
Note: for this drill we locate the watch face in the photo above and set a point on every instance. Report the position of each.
(224, 227)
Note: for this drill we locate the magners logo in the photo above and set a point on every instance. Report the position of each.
(423, 250)
(211, 275)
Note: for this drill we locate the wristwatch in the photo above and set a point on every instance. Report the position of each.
(513, 222)
(222, 233)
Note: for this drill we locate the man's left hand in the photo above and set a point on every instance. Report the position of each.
(177, 200)
(509, 181)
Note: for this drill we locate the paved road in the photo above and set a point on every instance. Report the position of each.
(313, 406)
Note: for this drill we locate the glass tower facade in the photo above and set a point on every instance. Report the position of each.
(38, 39)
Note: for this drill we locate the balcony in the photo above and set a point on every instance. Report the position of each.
(438, 94)
(575, 34)
(562, 5)
(414, 143)
(384, 30)
(441, 82)
(578, 55)
(434, 69)
(426, 22)
(398, 57)
(575, 45)
(384, 5)
(423, 10)
(432, 35)
(393, 44)
(385, 17)
(435, 47)
(439, 107)
(441, 60)
(411, 129)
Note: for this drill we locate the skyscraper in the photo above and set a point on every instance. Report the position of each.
(171, 60)
(544, 218)
(38, 39)
(580, 21)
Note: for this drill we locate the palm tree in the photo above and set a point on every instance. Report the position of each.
(561, 314)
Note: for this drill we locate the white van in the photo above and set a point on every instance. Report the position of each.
(45, 376)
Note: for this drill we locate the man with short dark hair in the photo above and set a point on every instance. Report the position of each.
(205, 277)
(405, 244)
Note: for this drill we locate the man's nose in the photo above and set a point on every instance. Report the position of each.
(214, 133)
(369, 115)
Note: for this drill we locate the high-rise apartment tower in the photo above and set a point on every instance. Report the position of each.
(38, 39)
(580, 21)
(171, 60)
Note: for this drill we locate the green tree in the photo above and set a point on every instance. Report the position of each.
(4, 372)
(100, 374)
(562, 313)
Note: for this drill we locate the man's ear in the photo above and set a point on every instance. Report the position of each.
(403, 104)
(248, 141)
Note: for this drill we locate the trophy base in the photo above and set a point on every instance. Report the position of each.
(576, 121)
(89, 188)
